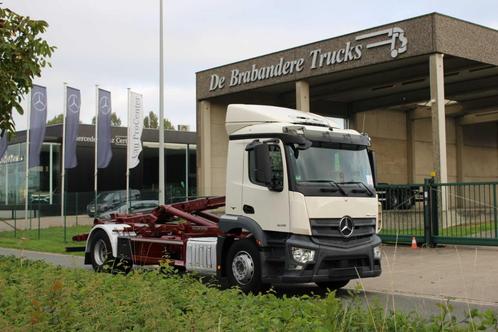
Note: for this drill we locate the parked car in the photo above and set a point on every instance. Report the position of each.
(398, 197)
(110, 200)
(133, 207)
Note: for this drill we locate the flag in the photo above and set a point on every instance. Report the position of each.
(37, 123)
(104, 152)
(3, 144)
(71, 126)
(135, 127)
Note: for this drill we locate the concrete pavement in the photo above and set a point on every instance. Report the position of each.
(463, 273)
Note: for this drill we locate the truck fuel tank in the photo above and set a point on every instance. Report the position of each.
(201, 255)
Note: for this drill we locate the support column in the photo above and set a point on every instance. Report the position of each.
(204, 148)
(459, 163)
(438, 117)
(410, 148)
(459, 152)
(303, 96)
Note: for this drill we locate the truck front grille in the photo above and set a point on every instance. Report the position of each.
(326, 232)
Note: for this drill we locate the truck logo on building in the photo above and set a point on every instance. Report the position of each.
(318, 58)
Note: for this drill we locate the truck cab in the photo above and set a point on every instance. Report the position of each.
(300, 207)
(305, 191)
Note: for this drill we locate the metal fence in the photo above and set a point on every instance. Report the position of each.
(44, 211)
(440, 213)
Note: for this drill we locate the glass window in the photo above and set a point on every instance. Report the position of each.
(277, 168)
(322, 164)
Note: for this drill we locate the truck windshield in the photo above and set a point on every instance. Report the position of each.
(323, 164)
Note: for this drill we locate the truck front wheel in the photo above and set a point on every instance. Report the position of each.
(243, 266)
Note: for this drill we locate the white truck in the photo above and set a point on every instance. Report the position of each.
(300, 207)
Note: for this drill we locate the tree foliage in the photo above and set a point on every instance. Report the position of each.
(23, 54)
(58, 119)
(151, 121)
(115, 120)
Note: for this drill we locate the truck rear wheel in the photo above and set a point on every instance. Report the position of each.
(243, 266)
(100, 251)
(332, 285)
(102, 258)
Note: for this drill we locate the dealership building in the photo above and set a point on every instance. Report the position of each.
(180, 167)
(425, 90)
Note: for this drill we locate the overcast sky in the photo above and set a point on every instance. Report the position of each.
(114, 43)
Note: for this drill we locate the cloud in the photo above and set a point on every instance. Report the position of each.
(115, 42)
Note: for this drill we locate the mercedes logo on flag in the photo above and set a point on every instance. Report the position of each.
(105, 105)
(38, 103)
(72, 104)
(346, 226)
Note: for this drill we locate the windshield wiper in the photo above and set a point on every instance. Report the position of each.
(337, 185)
(363, 184)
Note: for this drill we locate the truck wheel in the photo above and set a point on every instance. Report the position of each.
(332, 285)
(101, 252)
(243, 266)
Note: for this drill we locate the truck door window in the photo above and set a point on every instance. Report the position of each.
(277, 168)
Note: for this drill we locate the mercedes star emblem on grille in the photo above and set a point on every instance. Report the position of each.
(346, 226)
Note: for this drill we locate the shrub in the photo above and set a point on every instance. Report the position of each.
(37, 296)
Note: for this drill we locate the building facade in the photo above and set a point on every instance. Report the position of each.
(180, 166)
(424, 89)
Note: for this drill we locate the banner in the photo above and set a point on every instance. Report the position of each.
(135, 127)
(37, 123)
(3, 144)
(72, 124)
(104, 152)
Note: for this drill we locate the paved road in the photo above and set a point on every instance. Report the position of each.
(405, 300)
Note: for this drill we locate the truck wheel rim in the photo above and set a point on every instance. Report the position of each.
(243, 267)
(100, 252)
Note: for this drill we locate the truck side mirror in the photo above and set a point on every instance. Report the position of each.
(371, 159)
(263, 164)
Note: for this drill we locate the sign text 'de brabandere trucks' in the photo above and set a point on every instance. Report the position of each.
(300, 207)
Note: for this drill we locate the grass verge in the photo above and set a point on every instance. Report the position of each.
(40, 297)
(48, 240)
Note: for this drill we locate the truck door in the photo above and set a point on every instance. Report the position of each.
(269, 208)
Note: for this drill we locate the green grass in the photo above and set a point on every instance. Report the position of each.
(464, 230)
(36, 296)
(50, 239)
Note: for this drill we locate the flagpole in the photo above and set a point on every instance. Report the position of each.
(26, 189)
(63, 170)
(161, 106)
(128, 158)
(96, 145)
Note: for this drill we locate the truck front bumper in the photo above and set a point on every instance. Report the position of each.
(330, 263)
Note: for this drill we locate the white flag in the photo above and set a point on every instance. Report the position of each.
(135, 127)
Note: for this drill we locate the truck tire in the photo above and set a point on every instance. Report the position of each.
(102, 258)
(101, 252)
(332, 285)
(243, 266)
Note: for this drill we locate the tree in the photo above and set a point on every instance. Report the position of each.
(115, 120)
(58, 119)
(151, 121)
(23, 54)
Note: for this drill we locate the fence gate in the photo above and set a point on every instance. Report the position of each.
(440, 213)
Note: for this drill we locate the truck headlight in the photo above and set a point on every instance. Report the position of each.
(303, 255)
(378, 224)
(377, 252)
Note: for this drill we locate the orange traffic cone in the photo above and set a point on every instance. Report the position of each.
(414, 243)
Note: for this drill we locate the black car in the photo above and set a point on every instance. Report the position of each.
(110, 200)
(131, 207)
